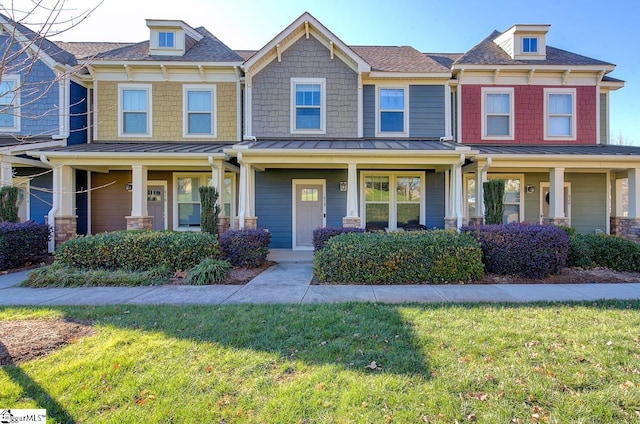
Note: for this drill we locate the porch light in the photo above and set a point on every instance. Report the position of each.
(343, 186)
(531, 188)
(128, 186)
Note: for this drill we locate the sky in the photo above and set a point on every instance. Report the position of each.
(601, 30)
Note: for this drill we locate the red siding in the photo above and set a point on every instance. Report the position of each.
(529, 115)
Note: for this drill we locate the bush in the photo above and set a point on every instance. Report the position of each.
(436, 256)
(9, 205)
(321, 235)
(603, 250)
(209, 209)
(245, 248)
(525, 250)
(59, 275)
(138, 250)
(22, 243)
(209, 271)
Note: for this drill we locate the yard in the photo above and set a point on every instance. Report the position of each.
(331, 363)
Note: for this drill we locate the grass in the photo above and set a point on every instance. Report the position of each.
(313, 364)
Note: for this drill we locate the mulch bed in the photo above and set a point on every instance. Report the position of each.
(237, 275)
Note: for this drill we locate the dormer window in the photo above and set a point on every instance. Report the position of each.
(529, 45)
(166, 39)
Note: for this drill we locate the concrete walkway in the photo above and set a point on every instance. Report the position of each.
(288, 282)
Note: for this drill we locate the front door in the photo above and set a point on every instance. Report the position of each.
(309, 212)
(156, 206)
(544, 201)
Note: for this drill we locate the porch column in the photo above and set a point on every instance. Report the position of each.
(557, 214)
(453, 220)
(352, 219)
(246, 203)
(139, 218)
(615, 225)
(62, 213)
(630, 225)
(480, 179)
(217, 176)
(6, 173)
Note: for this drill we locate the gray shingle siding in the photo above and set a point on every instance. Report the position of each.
(369, 110)
(306, 58)
(426, 111)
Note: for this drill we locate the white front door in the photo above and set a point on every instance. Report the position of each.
(308, 211)
(157, 204)
(544, 201)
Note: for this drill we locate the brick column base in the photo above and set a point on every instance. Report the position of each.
(556, 221)
(250, 222)
(139, 222)
(630, 228)
(476, 220)
(351, 222)
(451, 223)
(64, 228)
(615, 225)
(223, 224)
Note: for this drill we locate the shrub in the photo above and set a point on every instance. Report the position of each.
(59, 275)
(526, 250)
(603, 250)
(245, 248)
(493, 200)
(138, 250)
(209, 209)
(209, 271)
(9, 205)
(321, 235)
(22, 243)
(436, 256)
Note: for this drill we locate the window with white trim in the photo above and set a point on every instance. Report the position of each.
(166, 39)
(10, 103)
(187, 198)
(392, 110)
(135, 110)
(497, 113)
(513, 207)
(308, 105)
(199, 111)
(393, 201)
(529, 44)
(559, 113)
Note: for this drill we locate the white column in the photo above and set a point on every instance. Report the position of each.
(251, 191)
(63, 191)
(634, 192)
(139, 192)
(217, 177)
(6, 174)
(242, 201)
(556, 193)
(481, 178)
(457, 193)
(352, 191)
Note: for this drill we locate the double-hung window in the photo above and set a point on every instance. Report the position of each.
(497, 113)
(513, 207)
(187, 198)
(560, 116)
(392, 112)
(166, 39)
(308, 105)
(199, 111)
(135, 110)
(393, 201)
(9, 103)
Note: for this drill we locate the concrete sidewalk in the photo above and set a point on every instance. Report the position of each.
(289, 282)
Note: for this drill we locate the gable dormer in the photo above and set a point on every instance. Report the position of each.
(524, 42)
(171, 38)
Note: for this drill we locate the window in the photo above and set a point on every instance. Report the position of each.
(391, 111)
(187, 198)
(135, 111)
(512, 197)
(497, 113)
(529, 45)
(199, 111)
(308, 105)
(393, 201)
(309, 195)
(166, 39)
(560, 113)
(10, 103)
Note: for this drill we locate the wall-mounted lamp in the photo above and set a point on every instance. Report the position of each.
(531, 188)
(128, 186)
(343, 186)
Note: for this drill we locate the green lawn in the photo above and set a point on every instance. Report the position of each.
(308, 364)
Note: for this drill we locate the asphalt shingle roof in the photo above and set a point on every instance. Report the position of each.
(398, 59)
(85, 50)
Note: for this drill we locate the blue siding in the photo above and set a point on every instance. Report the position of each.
(426, 111)
(78, 119)
(40, 186)
(273, 200)
(369, 110)
(435, 199)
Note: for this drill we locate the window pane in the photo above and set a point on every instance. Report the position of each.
(408, 214)
(471, 197)
(377, 217)
(165, 39)
(309, 195)
(307, 94)
(559, 125)
(135, 123)
(533, 45)
(199, 123)
(560, 104)
(308, 118)
(189, 215)
(498, 125)
(199, 101)
(376, 189)
(392, 99)
(7, 119)
(498, 103)
(7, 93)
(134, 100)
(408, 189)
(188, 189)
(512, 191)
(392, 121)
(511, 214)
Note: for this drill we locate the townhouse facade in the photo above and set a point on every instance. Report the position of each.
(309, 132)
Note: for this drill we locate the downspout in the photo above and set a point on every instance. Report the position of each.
(51, 216)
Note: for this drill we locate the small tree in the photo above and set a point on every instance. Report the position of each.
(493, 201)
(9, 204)
(209, 210)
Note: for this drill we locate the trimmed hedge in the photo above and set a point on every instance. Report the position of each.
(138, 250)
(526, 250)
(436, 256)
(22, 243)
(321, 235)
(603, 250)
(245, 248)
